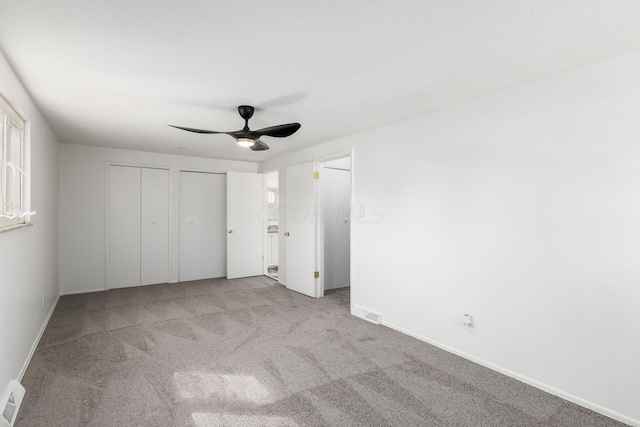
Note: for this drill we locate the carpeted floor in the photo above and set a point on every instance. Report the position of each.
(248, 352)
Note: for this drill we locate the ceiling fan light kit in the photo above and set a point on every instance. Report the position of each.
(245, 142)
(251, 138)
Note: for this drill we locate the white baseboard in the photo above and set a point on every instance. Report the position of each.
(37, 341)
(82, 291)
(537, 384)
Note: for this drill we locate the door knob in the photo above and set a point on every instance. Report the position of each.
(286, 233)
(230, 231)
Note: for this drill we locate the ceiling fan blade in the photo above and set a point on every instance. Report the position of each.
(195, 130)
(259, 146)
(279, 131)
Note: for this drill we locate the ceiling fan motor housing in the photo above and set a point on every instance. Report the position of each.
(246, 111)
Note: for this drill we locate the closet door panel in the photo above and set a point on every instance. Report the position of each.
(202, 226)
(300, 229)
(154, 265)
(216, 245)
(124, 227)
(245, 224)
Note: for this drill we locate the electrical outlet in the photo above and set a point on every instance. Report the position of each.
(468, 321)
(43, 300)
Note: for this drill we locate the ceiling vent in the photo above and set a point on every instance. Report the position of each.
(10, 403)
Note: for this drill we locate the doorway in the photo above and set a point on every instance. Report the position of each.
(335, 224)
(272, 223)
(317, 225)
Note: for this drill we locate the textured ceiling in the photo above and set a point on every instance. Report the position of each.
(115, 73)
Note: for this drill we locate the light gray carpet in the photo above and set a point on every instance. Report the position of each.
(248, 352)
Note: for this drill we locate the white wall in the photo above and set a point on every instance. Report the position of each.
(28, 256)
(83, 207)
(522, 208)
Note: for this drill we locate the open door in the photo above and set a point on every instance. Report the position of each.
(300, 229)
(245, 211)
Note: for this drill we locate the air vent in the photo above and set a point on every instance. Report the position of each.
(366, 314)
(372, 317)
(10, 403)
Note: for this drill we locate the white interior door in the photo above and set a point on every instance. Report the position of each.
(124, 226)
(202, 226)
(154, 220)
(300, 229)
(245, 224)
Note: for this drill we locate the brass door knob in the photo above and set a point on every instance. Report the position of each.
(286, 233)
(230, 231)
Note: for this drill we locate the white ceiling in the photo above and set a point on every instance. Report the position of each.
(115, 73)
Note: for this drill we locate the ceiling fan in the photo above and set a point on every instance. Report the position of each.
(251, 138)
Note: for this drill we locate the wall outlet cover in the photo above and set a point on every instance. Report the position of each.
(468, 321)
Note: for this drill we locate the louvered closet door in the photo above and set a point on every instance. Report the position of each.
(154, 221)
(124, 227)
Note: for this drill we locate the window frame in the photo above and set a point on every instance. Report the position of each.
(10, 118)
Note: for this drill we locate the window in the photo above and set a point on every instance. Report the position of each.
(14, 167)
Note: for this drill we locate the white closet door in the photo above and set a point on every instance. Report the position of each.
(124, 227)
(246, 216)
(300, 229)
(203, 248)
(154, 264)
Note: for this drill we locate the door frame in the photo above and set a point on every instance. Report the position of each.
(320, 222)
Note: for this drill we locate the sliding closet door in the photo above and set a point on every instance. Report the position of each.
(202, 226)
(124, 227)
(154, 220)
